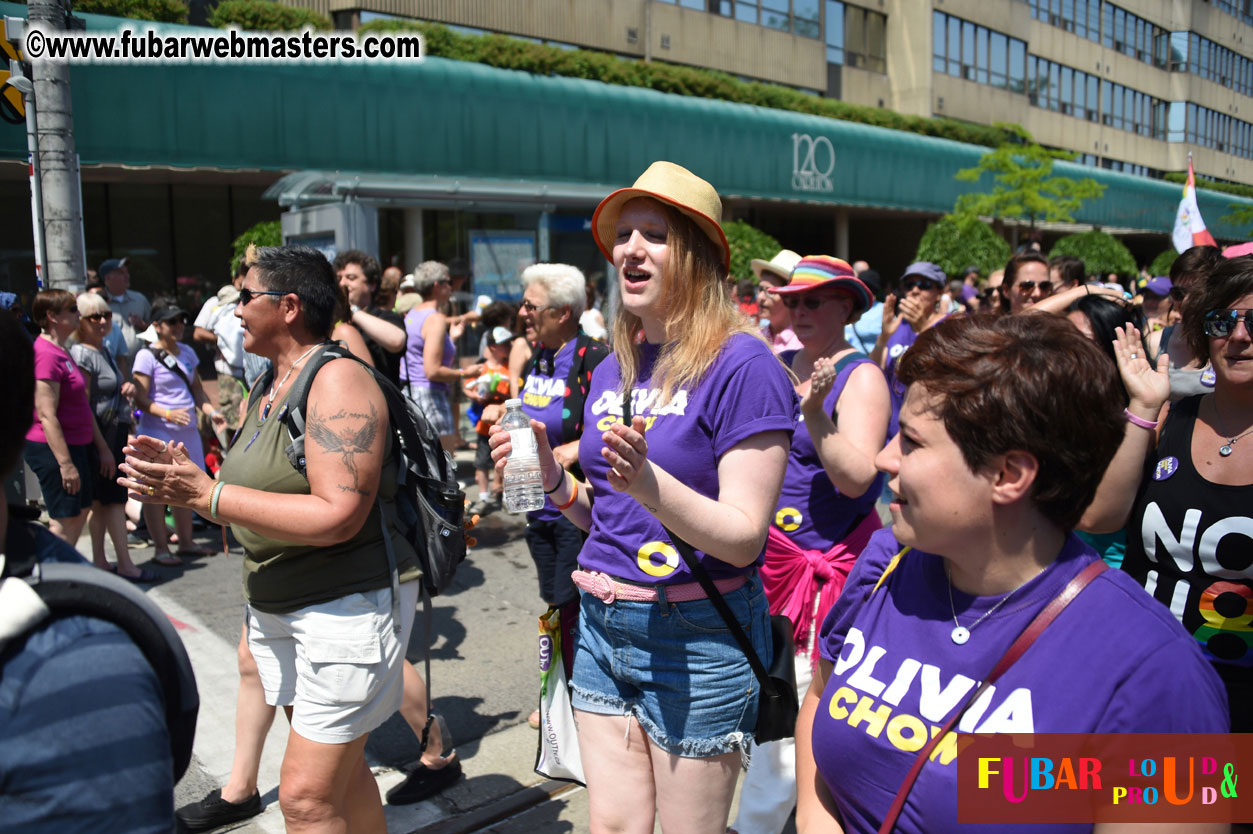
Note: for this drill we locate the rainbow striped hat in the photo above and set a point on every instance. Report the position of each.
(814, 271)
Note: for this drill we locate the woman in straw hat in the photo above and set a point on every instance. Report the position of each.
(665, 699)
(825, 513)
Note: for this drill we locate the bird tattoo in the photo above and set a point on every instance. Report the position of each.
(347, 442)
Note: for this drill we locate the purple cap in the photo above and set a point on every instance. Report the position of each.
(926, 269)
(1159, 286)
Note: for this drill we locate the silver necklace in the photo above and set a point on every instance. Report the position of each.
(1225, 450)
(265, 412)
(960, 633)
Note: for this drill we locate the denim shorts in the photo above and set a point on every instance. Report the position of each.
(674, 667)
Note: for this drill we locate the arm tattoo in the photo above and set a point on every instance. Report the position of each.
(346, 442)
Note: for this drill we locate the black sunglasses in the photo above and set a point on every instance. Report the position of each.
(1029, 286)
(811, 302)
(988, 292)
(246, 295)
(1178, 293)
(1219, 324)
(100, 316)
(924, 285)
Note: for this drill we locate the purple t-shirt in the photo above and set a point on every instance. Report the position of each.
(1114, 661)
(811, 511)
(412, 369)
(745, 392)
(543, 399)
(167, 389)
(53, 364)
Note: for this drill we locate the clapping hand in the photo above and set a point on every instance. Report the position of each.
(820, 382)
(626, 450)
(1148, 387)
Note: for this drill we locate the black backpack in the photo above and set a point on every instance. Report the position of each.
(430, 505)
(70, 590)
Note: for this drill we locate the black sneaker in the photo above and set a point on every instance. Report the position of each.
(214, 811)
(423, 783)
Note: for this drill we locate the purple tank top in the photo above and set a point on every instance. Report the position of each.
(412, 370)
(811, 511)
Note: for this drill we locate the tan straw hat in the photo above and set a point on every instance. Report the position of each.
(780, 266)
(671, 184)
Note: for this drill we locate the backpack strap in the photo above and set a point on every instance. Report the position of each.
(170, 363)
(293, 416)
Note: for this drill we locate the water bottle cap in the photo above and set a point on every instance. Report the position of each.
(514, 403)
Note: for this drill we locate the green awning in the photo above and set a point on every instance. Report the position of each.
(450, 120)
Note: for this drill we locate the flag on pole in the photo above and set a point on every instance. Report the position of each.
(1189, 227)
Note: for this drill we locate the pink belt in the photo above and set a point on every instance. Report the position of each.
(605, 588)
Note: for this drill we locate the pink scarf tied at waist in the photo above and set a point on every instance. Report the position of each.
(792, 576)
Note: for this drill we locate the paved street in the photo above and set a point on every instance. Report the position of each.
(484, 682)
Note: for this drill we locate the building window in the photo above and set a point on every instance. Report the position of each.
(973, 52)
(805, 18)
(835, 32)
(865, 39)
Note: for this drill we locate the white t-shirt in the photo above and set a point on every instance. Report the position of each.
(218, 315)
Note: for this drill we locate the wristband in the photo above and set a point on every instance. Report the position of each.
(213, 500)
(560, 481)
(1137, 420)
(574, 495)
(167, 414)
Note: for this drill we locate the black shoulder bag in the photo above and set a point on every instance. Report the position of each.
(777, 704)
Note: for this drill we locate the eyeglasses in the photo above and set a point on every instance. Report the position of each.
(100, 316)
(811, 302)
(1219, 324)
(924, 285)
(1026, 287)
(528, 307)
(988, 292)
(246, 295)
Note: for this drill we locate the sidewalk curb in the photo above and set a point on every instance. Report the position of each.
(500, 809)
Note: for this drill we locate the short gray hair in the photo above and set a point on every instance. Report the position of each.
(565, 285)
(91, 304)
(427, 275)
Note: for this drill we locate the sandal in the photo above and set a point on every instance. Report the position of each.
(195, 551)
(167, 560)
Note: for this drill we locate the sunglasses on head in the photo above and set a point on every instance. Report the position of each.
(100, 316)
(246, 295)
(1029, 286)
(1220, 324)
(924, 284)
(811, 302)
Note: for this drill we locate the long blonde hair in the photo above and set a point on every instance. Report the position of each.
(701, 316)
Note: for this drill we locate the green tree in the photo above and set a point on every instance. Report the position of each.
(957, 241)
(265, 16)
(748, 243)
(162, 11)
(1024, 186)
(1101, 253)
(266, 233)
(1161, 264)
(1240, 216)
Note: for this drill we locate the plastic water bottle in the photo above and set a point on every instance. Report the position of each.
(524, 483)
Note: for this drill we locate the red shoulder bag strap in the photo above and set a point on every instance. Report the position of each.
(1015, 651)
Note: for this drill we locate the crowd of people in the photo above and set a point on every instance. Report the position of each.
(909, 469)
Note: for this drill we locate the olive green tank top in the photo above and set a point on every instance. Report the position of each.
(281, 577)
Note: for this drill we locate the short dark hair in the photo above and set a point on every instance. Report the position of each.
(306, 273)
(1070, 269)
(1232, 280)
(1016, 263)
(1195, 264)
(368, 263)
(51, 301)
(17, 369)
(1031, 383)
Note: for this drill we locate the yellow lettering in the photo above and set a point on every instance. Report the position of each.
(843, 695)
(536, 401)
(669, 557)
(985, 770)
(875, 719)
(605, 422)
(947, 749)
(911, 741)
